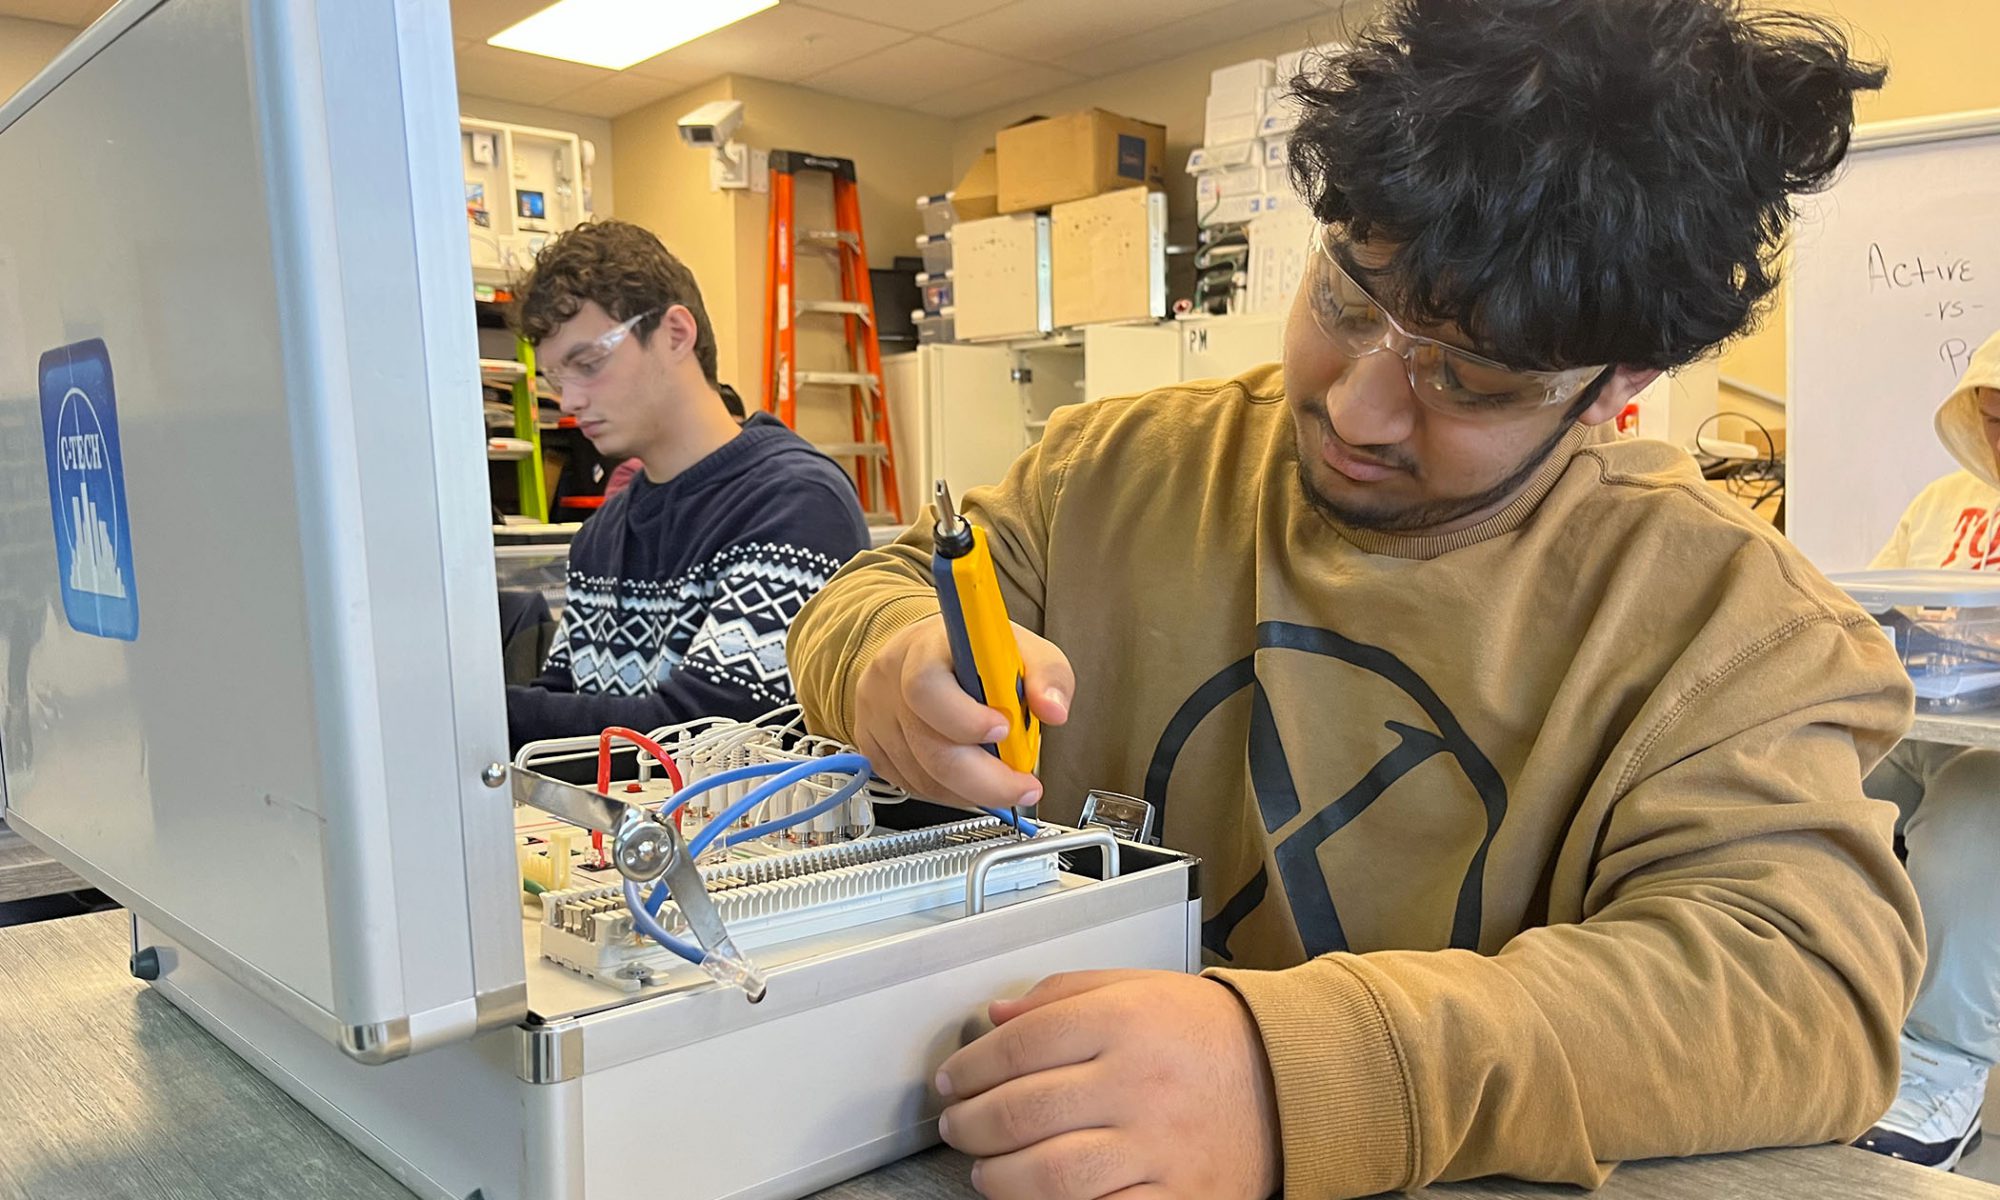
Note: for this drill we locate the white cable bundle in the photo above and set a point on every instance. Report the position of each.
(708, 746)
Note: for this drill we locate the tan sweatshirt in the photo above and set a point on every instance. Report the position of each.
(1531, 848)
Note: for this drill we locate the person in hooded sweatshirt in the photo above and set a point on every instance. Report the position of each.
(1949, 797)
(683, 585)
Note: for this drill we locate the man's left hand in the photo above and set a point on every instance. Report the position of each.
(1139, 1085)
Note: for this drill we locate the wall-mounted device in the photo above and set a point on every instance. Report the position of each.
(712, 124)
(734, 166)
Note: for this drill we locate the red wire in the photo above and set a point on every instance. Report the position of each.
(604, 769)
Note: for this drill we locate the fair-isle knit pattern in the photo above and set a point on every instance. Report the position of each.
(681, 592)
(725, 619)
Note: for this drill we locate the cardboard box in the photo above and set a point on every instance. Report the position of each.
(1109, 258)
(1076, 156)
(1001, 277)
(1236, 210)
(977, 196)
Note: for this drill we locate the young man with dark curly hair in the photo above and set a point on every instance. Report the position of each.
(1524, 770)
(682, 587)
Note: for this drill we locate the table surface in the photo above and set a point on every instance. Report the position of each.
(1973, 729)
(26, 872)
(108, 1092)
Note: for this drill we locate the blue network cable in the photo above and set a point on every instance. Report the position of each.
(646, 909)
(732, 775)
(838, 798)
(783, 776)
(644, 922)
(833, 764)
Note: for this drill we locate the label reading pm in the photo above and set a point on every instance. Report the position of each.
(93, 526)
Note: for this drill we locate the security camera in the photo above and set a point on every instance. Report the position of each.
(710, 125)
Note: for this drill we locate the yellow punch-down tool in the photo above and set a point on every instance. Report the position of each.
(984, 654)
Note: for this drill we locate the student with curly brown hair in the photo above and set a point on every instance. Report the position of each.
(682, 587)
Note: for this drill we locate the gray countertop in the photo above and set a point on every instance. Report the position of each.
(107, 1092)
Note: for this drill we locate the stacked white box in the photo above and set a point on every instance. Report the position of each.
(1236, 101)
(1229, 182)
(1280, 244)
(1307, 61)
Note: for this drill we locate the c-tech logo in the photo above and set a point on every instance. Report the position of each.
(93, 526)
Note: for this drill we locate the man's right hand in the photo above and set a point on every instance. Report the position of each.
(924, 734)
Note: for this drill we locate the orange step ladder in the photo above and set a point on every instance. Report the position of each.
(872, 451)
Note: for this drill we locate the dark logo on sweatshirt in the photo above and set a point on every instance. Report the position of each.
(1273, 782)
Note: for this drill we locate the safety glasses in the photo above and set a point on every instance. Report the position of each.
(1446, 379)
(586, 359)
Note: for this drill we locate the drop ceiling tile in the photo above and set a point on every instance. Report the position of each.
(917, 16)
(485, 70)
(616, 96)
(910, 71)
(786, 43)
(1191, 34)
(1018, 84)
(1042, 31)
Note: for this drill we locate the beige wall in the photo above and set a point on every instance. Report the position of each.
(663, 186)
(1940, 55)
(25, 48)
(593, 129)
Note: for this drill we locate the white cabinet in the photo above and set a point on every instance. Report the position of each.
(1219, 347)
(966, 412)
(1119, 360)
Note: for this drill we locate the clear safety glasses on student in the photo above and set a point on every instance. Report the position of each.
(1446, 379)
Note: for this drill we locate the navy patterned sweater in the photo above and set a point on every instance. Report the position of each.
(680, 593)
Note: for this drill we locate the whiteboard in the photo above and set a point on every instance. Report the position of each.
(1895, 280)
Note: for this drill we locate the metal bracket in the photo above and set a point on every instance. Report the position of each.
(1082, 839)
(550, 1053)
(377, 1043)
(1128, 817)
(641, 843)
(577, 805)
(644, 848)
(722, 960)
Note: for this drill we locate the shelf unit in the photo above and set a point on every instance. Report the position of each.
(524, 449)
